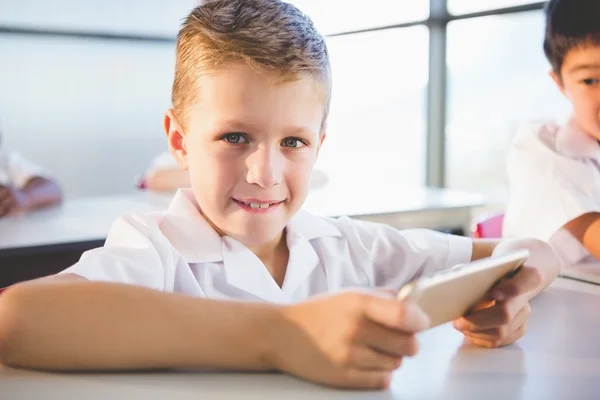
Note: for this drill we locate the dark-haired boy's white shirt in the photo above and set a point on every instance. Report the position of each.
(178, 251)
(15, 170)
(554, 175)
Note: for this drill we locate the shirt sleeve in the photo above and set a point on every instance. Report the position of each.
(396, 257)
(547, 191)
(132, 254)
(21, 170)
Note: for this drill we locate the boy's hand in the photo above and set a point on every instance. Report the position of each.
(495, 322)
(501, 318)
(11, 199)
(352, 339)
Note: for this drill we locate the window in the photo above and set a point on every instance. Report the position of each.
(497, 80)
(121, 17)
(377, 123)
(89, 111)
(335, 16)
(458, 7)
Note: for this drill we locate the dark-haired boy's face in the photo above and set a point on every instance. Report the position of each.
(579, 81)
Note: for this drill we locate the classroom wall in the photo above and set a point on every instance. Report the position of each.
(89, 110)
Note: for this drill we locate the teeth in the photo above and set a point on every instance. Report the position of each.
(256, 205)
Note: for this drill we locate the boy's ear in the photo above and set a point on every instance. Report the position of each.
(175, 138)
(558, 81)
(321, 140)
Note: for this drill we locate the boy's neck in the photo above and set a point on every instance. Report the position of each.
(275, 256)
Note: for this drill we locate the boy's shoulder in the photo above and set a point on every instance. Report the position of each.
(537, 135)
(560, 141)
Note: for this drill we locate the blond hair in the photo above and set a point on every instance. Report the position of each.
(268, 35)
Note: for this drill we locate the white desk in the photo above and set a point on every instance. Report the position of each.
(558, 359)
(88, 220)
(75, 221)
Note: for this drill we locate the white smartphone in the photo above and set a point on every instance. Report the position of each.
(451, 293)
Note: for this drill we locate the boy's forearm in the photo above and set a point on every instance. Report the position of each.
(41, 192)
(543, 260)
(483, 248)
(100, 326)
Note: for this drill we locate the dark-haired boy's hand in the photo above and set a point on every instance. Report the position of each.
(352, 339)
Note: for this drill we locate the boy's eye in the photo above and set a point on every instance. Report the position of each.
(234, 138)
(294, 143)
(590, 81)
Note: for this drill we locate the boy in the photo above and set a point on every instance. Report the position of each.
(234, 275)
(554, 171)
(23, 186)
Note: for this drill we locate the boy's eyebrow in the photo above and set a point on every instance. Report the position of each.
(581, 67)
(249, 127)
(237, 125)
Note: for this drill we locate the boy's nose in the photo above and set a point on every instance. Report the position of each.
(265, 168)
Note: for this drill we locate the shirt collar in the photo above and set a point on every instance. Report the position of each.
(197, 241)
(572, 141)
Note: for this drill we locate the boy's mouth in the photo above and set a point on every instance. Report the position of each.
(258, 205)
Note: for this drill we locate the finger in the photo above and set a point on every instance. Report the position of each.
(492, 342)
(394, 314)
(503, 330)
(515, 335)
(364, 379)
(389, 341)
(500, 314)
(363, 357)
(482, 305)
(525, 280)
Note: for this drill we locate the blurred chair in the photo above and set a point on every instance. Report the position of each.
(488, 227)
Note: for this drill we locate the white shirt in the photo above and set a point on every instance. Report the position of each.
(16, 170)
(177, 250)
(554, 178)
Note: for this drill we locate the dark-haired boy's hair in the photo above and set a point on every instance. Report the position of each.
(570, 24)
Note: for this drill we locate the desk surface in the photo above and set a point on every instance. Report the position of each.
(558, 359)
(89, 219)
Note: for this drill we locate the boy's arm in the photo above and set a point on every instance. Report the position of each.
(586, 229)
(167, 179)
(541, 268)
(78, 324)
(351, 339)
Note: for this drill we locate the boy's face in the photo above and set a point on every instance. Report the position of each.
(250, 146)
(580, 83)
